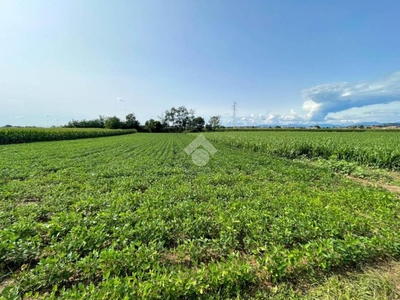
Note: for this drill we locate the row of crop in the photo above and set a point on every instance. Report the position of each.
(28, 135)
(376, 149)
(304, 129)
(133, 217)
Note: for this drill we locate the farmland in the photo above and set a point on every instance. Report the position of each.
(131, 216)
(28, 135)
(372, 148)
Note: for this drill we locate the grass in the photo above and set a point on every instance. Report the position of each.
(379, 282)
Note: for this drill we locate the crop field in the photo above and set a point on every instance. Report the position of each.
(372, 148)
(28, 135)
(133, 217)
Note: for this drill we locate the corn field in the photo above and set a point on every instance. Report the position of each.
(28, 135)
(370, 148)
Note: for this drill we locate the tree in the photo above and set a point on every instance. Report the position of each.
(215, 122)
(131, 122)
(179, 119)
(96, 123)
(169, 117)
(113, 123)
(190, 118)
(198, 123)
(182, 119)
(102, 121)
(153, 126)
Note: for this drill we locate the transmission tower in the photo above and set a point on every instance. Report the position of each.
(234, 114)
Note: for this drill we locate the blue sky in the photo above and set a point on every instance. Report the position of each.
(282, 61)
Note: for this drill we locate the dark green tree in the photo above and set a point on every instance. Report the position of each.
(131, 122)
(215, 122)
(198, 123)
(153, 126)
(178, 119)
(96, 123)
(113, 123)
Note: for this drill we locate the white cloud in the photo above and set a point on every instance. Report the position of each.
(335, 97)
(268, 119)
(337, 103)
(378, 112)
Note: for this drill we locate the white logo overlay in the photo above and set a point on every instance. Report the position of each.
(200, 156)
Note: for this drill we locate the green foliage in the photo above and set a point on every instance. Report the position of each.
(96, 123)
(153, 126)
(181, 119)
(354, 169)
(107, 122)
(28, 135)
(113, 123)
(132, 217)
(131, 122)
(214, 122)
(371, 148)
(198, 123)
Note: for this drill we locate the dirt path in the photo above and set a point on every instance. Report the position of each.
(5, 283)
(390, 188)
(393, 176)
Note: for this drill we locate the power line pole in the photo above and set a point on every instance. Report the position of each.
(234, 114)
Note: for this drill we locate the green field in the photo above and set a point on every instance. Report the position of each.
(29, 135)
(132, 216)
(372, 148)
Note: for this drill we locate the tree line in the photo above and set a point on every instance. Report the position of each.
(174, 120)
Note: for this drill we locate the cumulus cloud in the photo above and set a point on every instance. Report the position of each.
(267, 119)
(321, 100)
(378, 112)
(337, 103)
